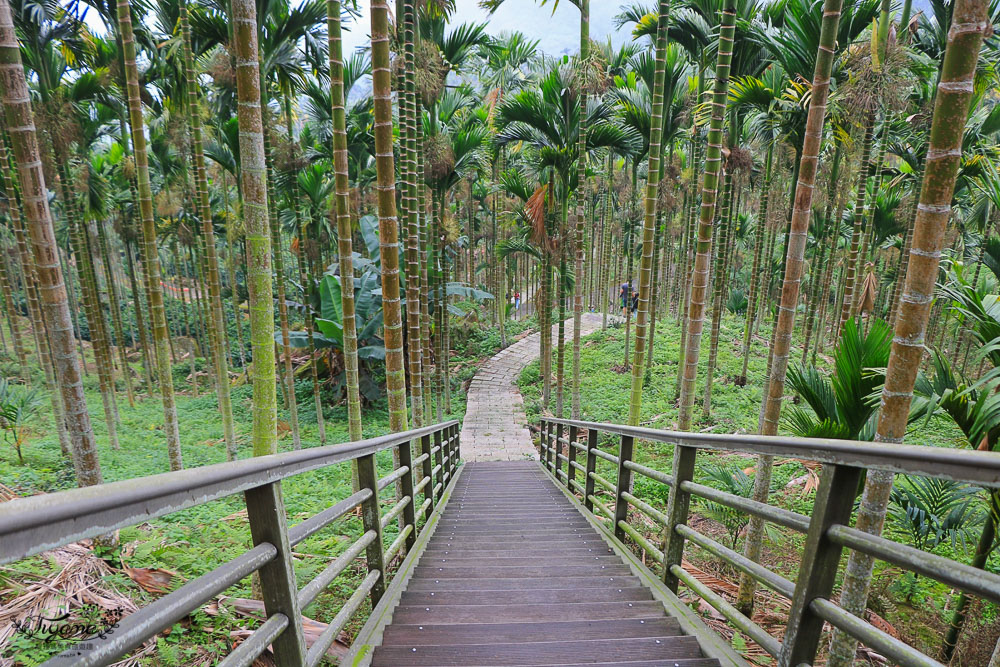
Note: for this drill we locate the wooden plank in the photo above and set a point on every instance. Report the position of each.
(554, 561)
(525, 612)
(515, 583)
(502, 633)
(529, 571)
(530, 596)
(542, 551)
(621, 650)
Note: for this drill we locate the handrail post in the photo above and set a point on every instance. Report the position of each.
(409, 515)
(557, 466)
(574, 433)
(678, 505)
(458, 440)
(268, 523)
(593, 437)
(439, 460)
(624, 484)
(452, 451)
(543, 454)
(428, 472)
(833, 505)
(371, 520)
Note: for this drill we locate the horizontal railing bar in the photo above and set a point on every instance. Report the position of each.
(577, 466)
(162, 613)
(601, 481)
(650, 511)
(898, 652)
(392, 477)
(395, 511)
(732, 614)
(599, 505)
(444, 461)
(604, 455)
(250, 648)
(579, 445)
(318, 650)
(424, 505)
(560, 472)
(641, 541)
(437, 488)
(36, 523)
(773, 581)
(314, 524)
(436, 469)
(334, 569)
(562, 457)
(435, 449)
(947, 571)
(656, 475)
(397, 543)
(420, 459)
(577, 486)
(776, 515)
(941, 462)
(564, 441)
(421, 484)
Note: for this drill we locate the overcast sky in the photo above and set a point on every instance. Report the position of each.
(557, 33)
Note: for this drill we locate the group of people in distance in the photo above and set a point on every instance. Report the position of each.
(623, 298)
(626, 303)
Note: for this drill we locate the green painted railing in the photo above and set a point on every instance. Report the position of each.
(565, 443)
(31, 525)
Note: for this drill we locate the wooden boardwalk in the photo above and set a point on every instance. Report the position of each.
(515, 575)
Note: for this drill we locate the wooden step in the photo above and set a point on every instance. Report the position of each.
(509, 633)
(514, 613)
(418, 583)
(540, 595)
(533, 653)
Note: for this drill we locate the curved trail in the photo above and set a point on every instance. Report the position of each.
(495, 426)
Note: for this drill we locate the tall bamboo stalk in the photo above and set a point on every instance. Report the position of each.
(650, 202)
(710, 183)
(151, 265)
(944, 154)
(395, 373)
(794, 262)
(48, 272)
(216, 322)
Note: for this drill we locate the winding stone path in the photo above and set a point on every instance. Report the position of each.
(495, 426)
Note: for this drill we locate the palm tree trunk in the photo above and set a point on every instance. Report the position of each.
(754, 280)
(408, 121)
(721, 266)
(151, 267)
(580, 217)
(859, 223)
(794, 260)
(216, 321)
(140, 317)
(342, 211)
(12, 316)
(48, 272)
(951, 106)
(819, 262)
(690, 252)
(699, 276)
(116, 316)
(650, 202)
(561, 324)
(395, 373)
(253, 185)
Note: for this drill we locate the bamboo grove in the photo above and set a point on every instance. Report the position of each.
(204, 195)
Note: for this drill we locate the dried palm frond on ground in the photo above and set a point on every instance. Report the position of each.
(81, 583)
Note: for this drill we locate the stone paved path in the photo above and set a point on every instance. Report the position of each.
(495, 426)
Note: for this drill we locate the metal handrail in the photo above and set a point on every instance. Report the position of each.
(827, 528)
(34, 524)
